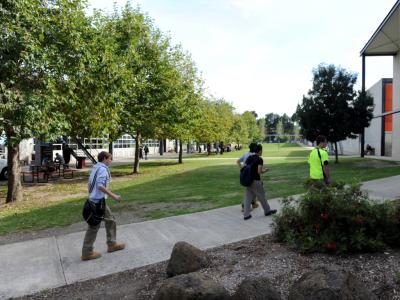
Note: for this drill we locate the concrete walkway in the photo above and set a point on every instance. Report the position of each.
(383, 189)
(35, 265)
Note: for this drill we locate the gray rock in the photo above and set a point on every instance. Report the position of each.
(329, 283)
(193, 286)
(256, 289)
(185, 259)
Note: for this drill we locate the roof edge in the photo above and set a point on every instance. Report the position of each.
(395, 6)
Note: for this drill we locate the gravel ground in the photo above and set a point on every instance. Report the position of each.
(232, 263)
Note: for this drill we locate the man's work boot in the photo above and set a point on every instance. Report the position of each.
(115, 247)
(91, 255)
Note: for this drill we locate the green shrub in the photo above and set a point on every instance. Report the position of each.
(337, 219)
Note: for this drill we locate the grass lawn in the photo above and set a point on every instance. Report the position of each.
(198, 184)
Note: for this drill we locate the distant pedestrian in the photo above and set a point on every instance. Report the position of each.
(319, 162)
(141, 152)
(146, 152)
(98, 193)
(241, 162)
(59, 159)
(256, 189)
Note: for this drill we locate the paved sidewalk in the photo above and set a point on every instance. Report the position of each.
(383, 189)
(35, 265)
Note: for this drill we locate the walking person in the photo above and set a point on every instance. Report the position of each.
(99, 181)
(256, 189)
(241, 162)
(146, 152)
(141, 152)
(319, 162)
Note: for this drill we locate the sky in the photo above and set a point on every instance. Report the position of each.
(259, 54)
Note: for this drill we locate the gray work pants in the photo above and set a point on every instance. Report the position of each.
(91, 232)
(256, 189)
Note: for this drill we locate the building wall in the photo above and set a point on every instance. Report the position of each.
(396, 106)
(374, 132)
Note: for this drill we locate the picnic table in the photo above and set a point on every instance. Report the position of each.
(45, 173)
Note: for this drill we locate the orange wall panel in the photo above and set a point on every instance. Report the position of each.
(388, 106)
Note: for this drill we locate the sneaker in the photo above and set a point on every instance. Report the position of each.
(91, 255)
(254, 205)
(248, 217)
(271, 212)
(115, 247)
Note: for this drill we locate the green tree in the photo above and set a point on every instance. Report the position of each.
(143, 53)
(280, 131)
(254, 132)
(328, 107)
(261, 126)
(271, 120)
(31, 59)
(183, 108)
(239, 131)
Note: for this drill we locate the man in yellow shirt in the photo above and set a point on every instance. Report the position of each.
(319, 161)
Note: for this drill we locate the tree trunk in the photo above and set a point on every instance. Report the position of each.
(14, 192)
(362, 142)
(221, 146)
(180, 151)
(137, 146)
(208, 148)
(336, 154)
(176, 146)
(199, 147)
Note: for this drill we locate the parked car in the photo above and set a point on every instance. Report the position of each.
(3, 168)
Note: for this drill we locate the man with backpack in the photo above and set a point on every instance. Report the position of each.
(254, 186)
(319, 162)
(241, 163)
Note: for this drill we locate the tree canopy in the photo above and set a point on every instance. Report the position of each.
(330, 106)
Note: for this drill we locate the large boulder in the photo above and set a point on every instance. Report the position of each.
(193, 286)
(186, 258)
(329, 283)
(259, 288)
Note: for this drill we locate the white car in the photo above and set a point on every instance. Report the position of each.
(3, 167)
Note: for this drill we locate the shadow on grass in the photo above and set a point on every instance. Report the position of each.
(215, 185)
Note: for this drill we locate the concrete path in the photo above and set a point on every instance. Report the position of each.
(39, 264)
(35, 265)
(383, 189)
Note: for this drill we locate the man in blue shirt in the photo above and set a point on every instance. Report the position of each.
(99, 180)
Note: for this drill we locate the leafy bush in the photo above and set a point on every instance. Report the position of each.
(337, 219)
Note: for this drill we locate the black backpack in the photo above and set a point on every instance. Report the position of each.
(245, 174)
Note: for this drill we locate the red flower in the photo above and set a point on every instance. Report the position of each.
(324, 216)
(332, 246)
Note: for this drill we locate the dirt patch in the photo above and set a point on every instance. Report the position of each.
(124, 214)
(232, 263)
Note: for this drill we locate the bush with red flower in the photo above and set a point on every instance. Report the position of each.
(337, 219)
